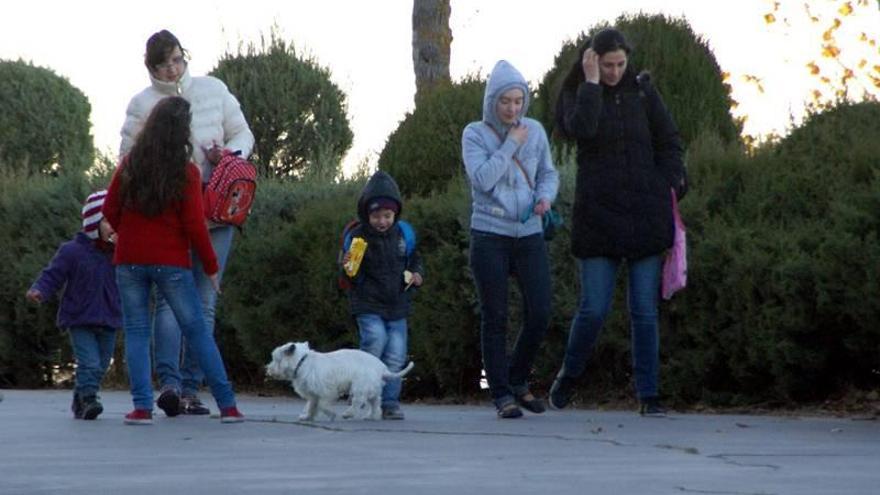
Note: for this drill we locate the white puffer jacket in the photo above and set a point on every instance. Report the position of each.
(216, 116)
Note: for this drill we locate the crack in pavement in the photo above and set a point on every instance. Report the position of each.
(338, 429)
(715, 492)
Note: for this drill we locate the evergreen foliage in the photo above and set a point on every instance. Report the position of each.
(424, 152)
(44, 121)
(37, 214)
(297, 114)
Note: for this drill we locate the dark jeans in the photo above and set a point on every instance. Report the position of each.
(598, 276)
(93, 347)
(493, 259)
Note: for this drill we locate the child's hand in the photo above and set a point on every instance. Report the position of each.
(346, 257)
(417, 279)
(34, 296)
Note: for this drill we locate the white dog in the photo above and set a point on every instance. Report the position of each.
(321, 378)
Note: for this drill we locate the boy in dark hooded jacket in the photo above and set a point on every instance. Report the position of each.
(381, 287)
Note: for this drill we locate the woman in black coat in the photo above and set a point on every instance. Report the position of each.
(629, 158)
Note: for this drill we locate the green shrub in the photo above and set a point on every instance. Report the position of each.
(37, 214)
(44, 121)
(682, 66)
(424, 152)
(297, 114)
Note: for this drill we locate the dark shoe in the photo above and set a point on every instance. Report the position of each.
(561, 392)
(193, 406)
(652, 408)
(231, 415)
(76, 407)
(509, 411)
(169, 402)
(392, 414)
(530, 403)
(91, 408)
(139, 417)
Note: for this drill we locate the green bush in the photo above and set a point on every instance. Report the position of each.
(424, 152)
(682, 66)
(37, 214)
(297, 114)
(44, 121)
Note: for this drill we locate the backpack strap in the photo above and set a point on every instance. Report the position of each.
(345, 239)
(409, 236)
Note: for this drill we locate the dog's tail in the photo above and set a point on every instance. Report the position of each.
(400, 374)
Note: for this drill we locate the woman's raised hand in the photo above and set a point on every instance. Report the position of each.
(590, 64)
(519, 133)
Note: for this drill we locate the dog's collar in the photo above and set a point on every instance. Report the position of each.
(300, 363)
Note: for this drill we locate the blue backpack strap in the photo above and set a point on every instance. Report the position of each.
(409, 236)
(345, 241)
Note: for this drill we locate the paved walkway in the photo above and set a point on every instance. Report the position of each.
(436, 450)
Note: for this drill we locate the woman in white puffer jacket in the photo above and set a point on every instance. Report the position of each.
(217, 123)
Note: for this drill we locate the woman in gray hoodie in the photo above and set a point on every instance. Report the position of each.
(513, 183)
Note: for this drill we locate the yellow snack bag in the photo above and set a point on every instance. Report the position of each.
(356, 255)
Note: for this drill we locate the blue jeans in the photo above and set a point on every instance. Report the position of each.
(385, 339)
(179, 290)
(184, 373)
(493, 258)
(93, 348)
(597, 290)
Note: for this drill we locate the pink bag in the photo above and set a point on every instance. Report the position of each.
(675, 270)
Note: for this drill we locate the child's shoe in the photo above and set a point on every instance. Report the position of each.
(392, 413)
(91, 407)
(139, 417)
(231, 415)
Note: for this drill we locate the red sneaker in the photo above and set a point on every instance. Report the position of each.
(231, 415)
(139, 417)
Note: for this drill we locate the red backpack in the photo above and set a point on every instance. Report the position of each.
(229, 194)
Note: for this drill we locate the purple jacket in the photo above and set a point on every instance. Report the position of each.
(85, 273)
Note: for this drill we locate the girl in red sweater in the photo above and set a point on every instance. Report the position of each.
(154, 204)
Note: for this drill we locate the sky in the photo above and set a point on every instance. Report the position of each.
(98, 46)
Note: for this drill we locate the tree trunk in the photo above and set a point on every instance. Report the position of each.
(432, 38)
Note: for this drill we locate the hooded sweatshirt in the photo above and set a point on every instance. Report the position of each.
(378, 287)
(216, 117)
(501, 195)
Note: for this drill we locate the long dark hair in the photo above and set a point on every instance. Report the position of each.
(159, 47)
(606, 40)
(154, 174)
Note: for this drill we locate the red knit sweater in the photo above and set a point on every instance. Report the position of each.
(164, 239)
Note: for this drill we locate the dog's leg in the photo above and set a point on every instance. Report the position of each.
(375, 408)
(349, 412)
(359, 405)
(308, 412)
(325, 405)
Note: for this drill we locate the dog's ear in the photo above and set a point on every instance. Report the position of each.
(291, 348)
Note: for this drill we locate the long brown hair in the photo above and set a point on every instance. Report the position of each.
(154, 173)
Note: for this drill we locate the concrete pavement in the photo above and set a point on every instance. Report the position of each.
(438, 449)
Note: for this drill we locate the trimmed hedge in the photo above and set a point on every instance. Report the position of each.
(44, 121)
(424, 153)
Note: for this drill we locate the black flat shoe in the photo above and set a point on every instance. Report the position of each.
(531, 403)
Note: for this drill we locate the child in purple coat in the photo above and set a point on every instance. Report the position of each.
(89, 309)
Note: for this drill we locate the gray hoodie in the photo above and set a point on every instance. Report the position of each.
(501, 195)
